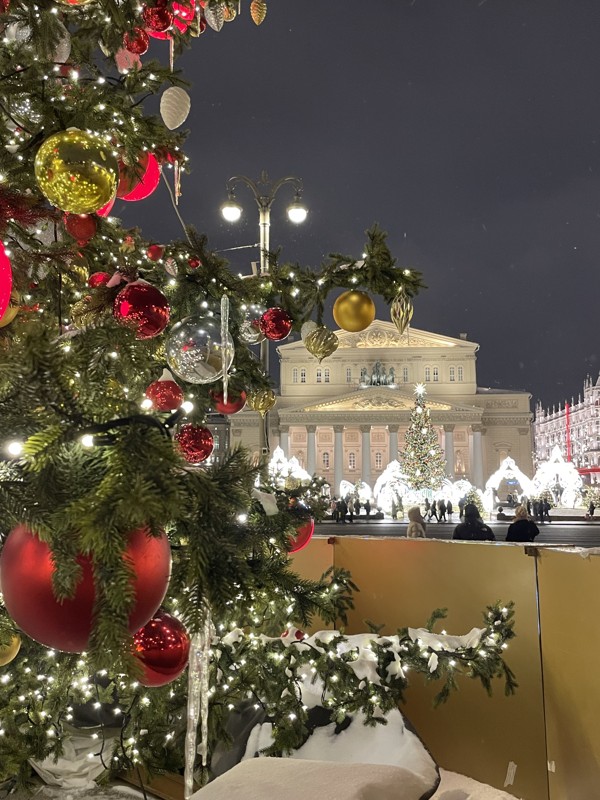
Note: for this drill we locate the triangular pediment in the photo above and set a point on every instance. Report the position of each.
(382, 335)
(374, 399)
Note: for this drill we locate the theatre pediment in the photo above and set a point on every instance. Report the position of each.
(369, 400)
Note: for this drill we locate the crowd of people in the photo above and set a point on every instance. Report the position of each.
(344, 509)
(473, 528)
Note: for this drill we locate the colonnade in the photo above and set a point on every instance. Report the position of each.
(475, 449)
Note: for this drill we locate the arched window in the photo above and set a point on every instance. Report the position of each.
(436, 374)
(326, 375)
(319, 375)
(452, 374)
(378, 461)
(427, 374)
(352, 461)
(302, 376)
(404, 374)
(460, 374)
(348, 374)
(325, 460)
(294, 375)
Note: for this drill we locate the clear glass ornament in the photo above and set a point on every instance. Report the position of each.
(250, 332)
(194, 349)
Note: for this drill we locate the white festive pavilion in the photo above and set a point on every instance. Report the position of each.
(559, 477)
(508, 479)
(345, 418)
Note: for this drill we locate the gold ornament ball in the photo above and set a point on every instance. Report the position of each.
(9, 651)
(262, 401)
(354, 311)
(77, 171)
(321, 342)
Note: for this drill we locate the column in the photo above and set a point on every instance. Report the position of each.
(338, 458)
(284, 440)
(449, 449)
(366, 454)
(311, 449)
(477, 457)
(393, 434)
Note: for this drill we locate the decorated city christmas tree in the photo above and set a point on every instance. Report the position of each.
(127, 552)
(422, 458)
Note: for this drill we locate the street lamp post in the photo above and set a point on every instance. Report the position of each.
(264, 193)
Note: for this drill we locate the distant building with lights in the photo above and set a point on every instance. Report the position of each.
(575, 428)
(345, 418)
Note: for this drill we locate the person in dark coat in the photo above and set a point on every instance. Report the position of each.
(449, 510)
(433, 512)
(357, 506)
(442, 510)
(367, 508)
(461, 507)
(522, 529)
(473, 528)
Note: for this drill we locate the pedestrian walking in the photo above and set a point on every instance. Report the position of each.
(442, 510)
(591, 509)
(357, 507)
(449, 510)
(367, 508)
(461, 507)
(433, 512)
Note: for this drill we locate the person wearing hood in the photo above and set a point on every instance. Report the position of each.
(473, 528)
(416, 524)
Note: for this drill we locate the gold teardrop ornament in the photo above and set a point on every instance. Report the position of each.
(354, 311)
(401, 311)
(261, 400)
(321, 343)
(258, 11)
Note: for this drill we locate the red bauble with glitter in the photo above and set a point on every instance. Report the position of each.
(157, 18)
(26, 570)
(143, 308)
(162, 647)
(275, 324)
(98, 279)
(139, 184)
(235, 401)
(194, 262)
(303, 536)
(81, 227)
(137, 41)
(165, 394)
(155, 252)
(195, 442)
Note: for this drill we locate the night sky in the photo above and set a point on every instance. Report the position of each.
(468, 130)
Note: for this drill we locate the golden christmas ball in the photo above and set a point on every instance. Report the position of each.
(354, 311)
(9, 651)
(262, 400)
(321, 342)
(77, 171)
(401, 311)
(12, 310)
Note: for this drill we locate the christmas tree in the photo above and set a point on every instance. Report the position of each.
(126, 550)
(422, 458)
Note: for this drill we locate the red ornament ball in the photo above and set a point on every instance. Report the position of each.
(137, 41)
(26, 570)
(235, 401)
(157, 18)
(81, 227)
(162, 646)
(98, 279)
(303, 536)
(139, 184)
(194, 262)
(143, 308)
(195, 442)
(155, 252)
(165, 394)
(275, 324)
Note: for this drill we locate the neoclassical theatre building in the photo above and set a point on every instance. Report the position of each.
(346, 417)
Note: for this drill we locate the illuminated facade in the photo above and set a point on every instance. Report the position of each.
(345, 418)
(573, 427)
